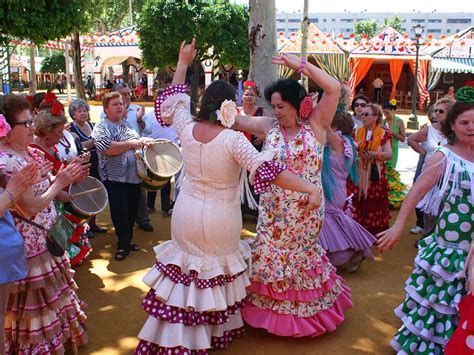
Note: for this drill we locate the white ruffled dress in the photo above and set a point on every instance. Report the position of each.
(197, 285)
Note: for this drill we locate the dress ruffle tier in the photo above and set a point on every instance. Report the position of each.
(194, 302)
(434, 291)
(344, 237)
(309, 301)
(44, 314)
(396, 193)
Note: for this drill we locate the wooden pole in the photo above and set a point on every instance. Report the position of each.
(304, 41)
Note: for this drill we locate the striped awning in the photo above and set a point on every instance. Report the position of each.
(453, 65)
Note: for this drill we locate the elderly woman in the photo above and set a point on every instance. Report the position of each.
(425, 142)
(370, 201)
(43, 306)
(294, 289)
(13, 265)
(116, 143)
(49, 130)
(438, 282)
(81, 128)
(358, 104)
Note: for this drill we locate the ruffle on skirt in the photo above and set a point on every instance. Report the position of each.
(342, 237)
(396, 193)
(434, 290)
(44, 314)
(194, 302)
(299, 310)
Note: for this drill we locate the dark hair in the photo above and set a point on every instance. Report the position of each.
(388, 106)
(213, 97)
(456, 110)
(290, 91)
(359, 97)
(37, 100)
(12, 106)
(343, 122)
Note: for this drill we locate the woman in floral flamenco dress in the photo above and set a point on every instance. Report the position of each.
(437, 284)
(294, 289)
(199, 279)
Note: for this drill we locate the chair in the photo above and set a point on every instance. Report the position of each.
(399, 98)
(408, 101)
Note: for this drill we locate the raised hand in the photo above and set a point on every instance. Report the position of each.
(187, 52)
(23, 179)
(287, 60)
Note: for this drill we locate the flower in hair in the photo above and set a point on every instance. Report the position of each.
(306, 106)
(393, 102)
(250, 84)
(57, 109)
(49, 98)
(465, 95)
(30, 99)
(226, 114)
(4, 126)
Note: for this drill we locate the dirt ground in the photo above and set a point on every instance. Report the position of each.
(113, 291)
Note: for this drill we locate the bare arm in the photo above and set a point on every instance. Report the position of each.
(187, 52)
(385, 154)
(415, 140)
(289, 181)
(257, 125)
(402, 136)
(335, 142)
(390, 237)
(117, 148)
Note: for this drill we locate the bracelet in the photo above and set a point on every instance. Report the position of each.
(302, 64)
(379, 155)
(10, 196)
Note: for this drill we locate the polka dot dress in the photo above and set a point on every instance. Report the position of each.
(437, 284)
(462, 341)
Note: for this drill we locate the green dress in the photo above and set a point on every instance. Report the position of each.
(437, 284)
(396, 193)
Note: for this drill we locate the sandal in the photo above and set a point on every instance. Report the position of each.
(134, 247)
(120, 255)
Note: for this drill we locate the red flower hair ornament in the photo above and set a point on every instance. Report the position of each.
(250, 84)
(49, 98)
(57, 109)
(306, 106)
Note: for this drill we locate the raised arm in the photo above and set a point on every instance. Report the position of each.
(257, 125)
(322, 115)
(431, 175)
(187, 52)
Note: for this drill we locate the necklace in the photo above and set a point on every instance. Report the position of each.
(67, 145)
(287, 149)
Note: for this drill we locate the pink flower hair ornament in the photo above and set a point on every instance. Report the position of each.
(4, 126)
(306, 106)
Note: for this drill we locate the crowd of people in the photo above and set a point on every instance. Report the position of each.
(323, 182)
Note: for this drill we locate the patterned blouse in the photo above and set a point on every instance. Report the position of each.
(121, 167)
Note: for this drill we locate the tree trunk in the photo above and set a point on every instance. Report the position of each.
(32, 71)
(262, 44)
(77, 66)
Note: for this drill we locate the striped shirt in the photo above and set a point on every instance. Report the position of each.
(121, 167)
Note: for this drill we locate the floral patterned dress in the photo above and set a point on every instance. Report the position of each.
(44, 314)
(294, 289)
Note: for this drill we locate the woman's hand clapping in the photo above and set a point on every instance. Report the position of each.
(69, 174)
(23, 179)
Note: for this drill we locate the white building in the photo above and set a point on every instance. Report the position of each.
(435, 23)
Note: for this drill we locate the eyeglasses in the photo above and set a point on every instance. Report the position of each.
(27, 124)
(366, 114)
(360, 104)
(438, 110)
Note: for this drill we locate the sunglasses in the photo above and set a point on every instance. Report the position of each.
(27, 124)
(360, 104)
(366, 114)
(438, 110)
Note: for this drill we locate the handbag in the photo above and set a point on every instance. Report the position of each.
(58, 236)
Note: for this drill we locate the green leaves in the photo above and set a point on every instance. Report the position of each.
(54, 64)
(164, 24)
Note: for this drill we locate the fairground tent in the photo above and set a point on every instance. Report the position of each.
(389, 46)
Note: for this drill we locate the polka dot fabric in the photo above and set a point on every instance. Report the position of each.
(462, 341)
(437, 284)
(265, 174)
(169, 91)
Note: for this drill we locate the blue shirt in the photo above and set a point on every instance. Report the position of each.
(13, 265)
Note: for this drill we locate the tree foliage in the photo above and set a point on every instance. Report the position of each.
(40, 21)
(368, 27)
(396, 22)
(164, 24)
(54, 64)
(112, 15)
